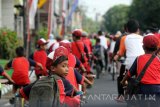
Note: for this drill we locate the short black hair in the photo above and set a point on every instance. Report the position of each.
(59, 60)
(20, 51)
(132, 26)
(152, 49)
(58, 38)
(77, 37)
(100, 32)
(153, 28)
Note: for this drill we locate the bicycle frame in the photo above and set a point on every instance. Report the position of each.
(0, 90)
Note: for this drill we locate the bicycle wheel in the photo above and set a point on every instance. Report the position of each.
(0, 90)
(114, 71)
(98, 70)
(19, 102)
(113, 74)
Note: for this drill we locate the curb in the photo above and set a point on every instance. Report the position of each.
(6, 88)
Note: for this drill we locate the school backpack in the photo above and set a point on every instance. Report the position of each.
(45, 93)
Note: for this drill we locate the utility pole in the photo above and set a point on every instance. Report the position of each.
(24, 24)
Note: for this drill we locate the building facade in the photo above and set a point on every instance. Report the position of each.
(7, 14)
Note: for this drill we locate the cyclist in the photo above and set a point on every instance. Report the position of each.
(60, 68)
(79, 49)
(104, 43)
(88, 43)
(40, 56)
(150, 83)
(98, 52)
(132, 44)
(20, 67)
(131, 47)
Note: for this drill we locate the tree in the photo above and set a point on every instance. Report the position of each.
(146, 12)
(89, 25)
(9, 42)
(115, 18)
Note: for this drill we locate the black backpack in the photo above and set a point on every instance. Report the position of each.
(45, 93)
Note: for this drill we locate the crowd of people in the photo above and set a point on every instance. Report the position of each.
(72, 63)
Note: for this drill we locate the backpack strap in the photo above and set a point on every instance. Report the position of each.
(56, 94)
(78, 48)
(147, 65)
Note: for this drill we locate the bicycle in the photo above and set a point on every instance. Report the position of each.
(113, 70)
(18, 101)
(3, 81)
(98, 66)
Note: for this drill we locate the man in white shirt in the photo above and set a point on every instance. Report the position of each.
(102, 39)
(103, 43)
(133, 43)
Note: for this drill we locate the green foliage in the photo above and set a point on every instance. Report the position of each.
(43, 33)
(146, 12)
(89, 25)
(8, 44)
(115, 18)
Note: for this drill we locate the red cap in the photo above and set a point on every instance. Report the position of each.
(77, 32)
(42, 41)
(150, 41)
(54, 55)
(61, 51)
(65, 44)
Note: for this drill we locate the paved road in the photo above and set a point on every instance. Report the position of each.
(102, 94)
(4, 101)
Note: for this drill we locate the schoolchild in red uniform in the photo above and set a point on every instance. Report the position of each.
(20, 67)
(74, 62)
(79, 49)
(150, 83)
(40, 56)
(87, 42)
(3, 73)
(59, 67)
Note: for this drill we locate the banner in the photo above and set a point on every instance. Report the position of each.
(41, 3)
(50, 17)
(32, 13)
(73, 9)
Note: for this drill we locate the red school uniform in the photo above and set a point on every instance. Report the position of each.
(41, 57)
(21, 71)
(74, 47)
(152, 74)
(88, 44)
